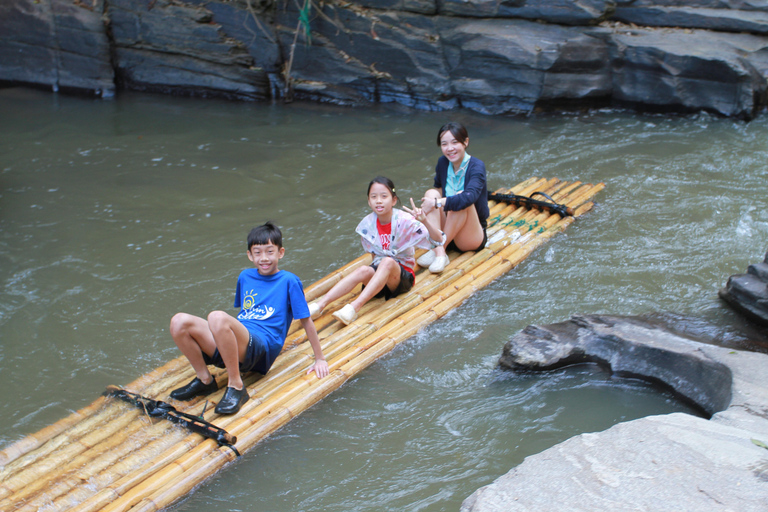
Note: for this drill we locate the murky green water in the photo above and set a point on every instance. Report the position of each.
(116, 214)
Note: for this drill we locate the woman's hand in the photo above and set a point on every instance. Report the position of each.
(418, 213)
(427, 204)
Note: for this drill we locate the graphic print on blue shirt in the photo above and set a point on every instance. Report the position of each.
(251, 311)
(268, 305)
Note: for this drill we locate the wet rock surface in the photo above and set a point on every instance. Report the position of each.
(748, 293)
(668, 462)
(496, 57)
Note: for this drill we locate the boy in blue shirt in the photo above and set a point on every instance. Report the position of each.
(269, 299)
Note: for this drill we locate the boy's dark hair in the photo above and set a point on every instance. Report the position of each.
(381, 180)
(456, 129)
(262, 235)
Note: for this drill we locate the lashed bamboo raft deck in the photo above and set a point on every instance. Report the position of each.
(110, 456)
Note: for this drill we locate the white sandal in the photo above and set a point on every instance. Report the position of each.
(426, 259)
(439, 264)
(346, 315)
(314, 310)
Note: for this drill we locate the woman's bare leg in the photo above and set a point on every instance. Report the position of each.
(436, 217)
(463, 227)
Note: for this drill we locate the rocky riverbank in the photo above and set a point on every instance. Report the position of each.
(495, 57)
(748, 293)
(672, 462)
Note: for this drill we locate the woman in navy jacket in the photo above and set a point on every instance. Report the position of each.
(459, 201)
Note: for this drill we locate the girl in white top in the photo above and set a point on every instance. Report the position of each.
(392, 236)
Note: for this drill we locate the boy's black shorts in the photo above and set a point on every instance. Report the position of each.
(406, 283)
(253, 353)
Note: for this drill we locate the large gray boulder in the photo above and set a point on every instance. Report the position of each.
(512, 66)
(674, 462)
(683, 70)
(748, 293)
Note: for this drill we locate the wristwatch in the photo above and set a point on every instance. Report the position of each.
(438, 204)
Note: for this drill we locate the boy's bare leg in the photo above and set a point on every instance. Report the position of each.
(193, 337)
(231, 338)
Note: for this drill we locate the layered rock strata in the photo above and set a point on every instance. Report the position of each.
(491, 56)
(495, 57)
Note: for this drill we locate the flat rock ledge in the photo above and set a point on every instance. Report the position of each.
(748, 293)
(676, 462)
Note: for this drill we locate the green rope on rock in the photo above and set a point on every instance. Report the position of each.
(304, 21)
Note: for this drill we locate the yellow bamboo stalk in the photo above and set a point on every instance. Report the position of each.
(134, 469)
(29, 481)
(36, 440)
(100, 454)
(61, 448)
(100, 434)
(70, 487)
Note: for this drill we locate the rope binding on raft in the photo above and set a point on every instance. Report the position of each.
(528, 202)
(160, 409)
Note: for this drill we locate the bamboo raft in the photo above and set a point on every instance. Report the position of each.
(111, 456)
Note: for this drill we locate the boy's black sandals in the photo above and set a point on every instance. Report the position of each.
(232, 400)
(193, 389)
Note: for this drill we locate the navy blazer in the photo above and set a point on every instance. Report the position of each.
(475, 188)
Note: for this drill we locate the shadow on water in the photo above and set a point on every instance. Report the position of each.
(114, 215)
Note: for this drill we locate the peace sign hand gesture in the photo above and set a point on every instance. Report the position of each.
(417, 213)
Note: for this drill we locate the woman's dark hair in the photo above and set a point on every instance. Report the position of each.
(381, 180)
(262, 235)
(456, 129)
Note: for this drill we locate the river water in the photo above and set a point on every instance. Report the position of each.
(114, 215)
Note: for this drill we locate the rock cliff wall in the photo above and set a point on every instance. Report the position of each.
(491, 56)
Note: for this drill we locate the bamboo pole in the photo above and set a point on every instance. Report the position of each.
(34, 441)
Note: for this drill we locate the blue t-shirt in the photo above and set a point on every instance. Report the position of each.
(268, 305)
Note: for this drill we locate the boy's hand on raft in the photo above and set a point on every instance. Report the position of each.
(417, 213)
(320, 368)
